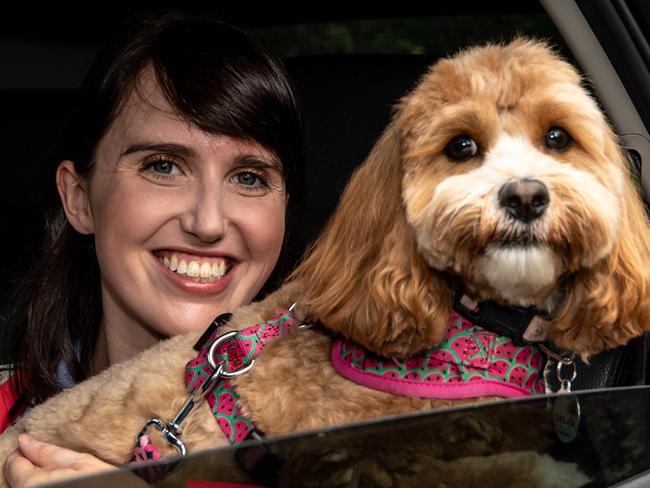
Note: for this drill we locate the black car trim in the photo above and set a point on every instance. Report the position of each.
(610, 88)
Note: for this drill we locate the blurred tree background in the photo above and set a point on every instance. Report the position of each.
(439, 36)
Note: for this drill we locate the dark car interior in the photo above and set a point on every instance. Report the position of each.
(346, 100)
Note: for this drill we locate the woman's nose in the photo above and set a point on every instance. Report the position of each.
(205, 216)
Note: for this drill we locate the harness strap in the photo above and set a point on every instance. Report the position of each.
(522, 325)
(207, 335)
(235, 354)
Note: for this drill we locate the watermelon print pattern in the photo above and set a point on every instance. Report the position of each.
(469, 362)
(235, 354)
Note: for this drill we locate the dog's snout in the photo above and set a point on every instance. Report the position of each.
(525, 200)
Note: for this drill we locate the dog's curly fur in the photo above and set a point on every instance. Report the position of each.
(412, 225)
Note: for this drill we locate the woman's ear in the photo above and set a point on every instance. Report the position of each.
(73, 190)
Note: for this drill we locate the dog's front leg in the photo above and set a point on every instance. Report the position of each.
(103, 414)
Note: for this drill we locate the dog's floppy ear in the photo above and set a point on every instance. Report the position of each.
(364, 277)
(609, 304)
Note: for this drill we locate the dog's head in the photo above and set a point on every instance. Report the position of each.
(499, 171)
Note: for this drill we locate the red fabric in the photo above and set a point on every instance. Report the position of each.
(8, 398)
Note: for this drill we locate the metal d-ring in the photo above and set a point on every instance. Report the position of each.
(303, 323)
(565, 383)
(218, 341)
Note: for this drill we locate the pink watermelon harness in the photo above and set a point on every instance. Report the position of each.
(470, 362)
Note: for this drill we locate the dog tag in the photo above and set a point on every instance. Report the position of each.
(566, 417)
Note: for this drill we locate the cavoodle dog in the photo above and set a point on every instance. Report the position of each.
(496, 196)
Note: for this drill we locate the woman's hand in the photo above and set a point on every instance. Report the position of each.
(36, 463)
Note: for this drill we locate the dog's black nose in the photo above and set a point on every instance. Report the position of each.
(525, 199)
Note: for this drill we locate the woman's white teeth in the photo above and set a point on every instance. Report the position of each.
(193, 269)
(196, 269)
(206, 270)
(219, 268)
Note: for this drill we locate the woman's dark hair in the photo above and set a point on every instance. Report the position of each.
(216, 77)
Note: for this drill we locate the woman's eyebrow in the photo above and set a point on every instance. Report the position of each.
(163, 147)
(260, 162)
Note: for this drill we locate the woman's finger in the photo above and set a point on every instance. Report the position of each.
(47, 456)
(18, 469)
(39, 462)
(20, 472)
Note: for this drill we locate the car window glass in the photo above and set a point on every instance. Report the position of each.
(604, 436)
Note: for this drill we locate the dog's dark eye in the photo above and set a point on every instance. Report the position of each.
(461, 148)
(557, 139)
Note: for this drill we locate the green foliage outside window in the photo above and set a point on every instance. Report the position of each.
(439, 36)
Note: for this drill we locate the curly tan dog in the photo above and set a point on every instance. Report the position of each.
(498, 174)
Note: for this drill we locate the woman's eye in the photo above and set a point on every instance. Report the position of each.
(165, 167)
(557, 139)
(461, 148)
(162, 167)
(249, 180)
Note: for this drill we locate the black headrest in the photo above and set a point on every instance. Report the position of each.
(29, 129)
(347, 101)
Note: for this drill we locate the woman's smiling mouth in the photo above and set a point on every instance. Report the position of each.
(199, 269)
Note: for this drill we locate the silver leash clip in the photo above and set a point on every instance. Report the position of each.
(168, 434)
(171, 431)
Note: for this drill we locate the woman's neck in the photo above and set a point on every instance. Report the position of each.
(117, 342)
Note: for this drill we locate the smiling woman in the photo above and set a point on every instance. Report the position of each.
(187, 223)
(174, 181)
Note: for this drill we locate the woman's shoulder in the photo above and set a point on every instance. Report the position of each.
(11, 404)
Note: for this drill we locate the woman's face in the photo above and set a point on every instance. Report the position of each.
(187, 224)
